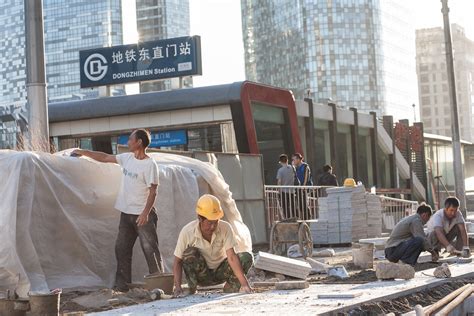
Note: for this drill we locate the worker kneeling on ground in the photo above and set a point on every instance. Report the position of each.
(408, 238)
(205, 251)
(447, 225)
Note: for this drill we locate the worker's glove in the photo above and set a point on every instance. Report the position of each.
(450, 248)
(466, 252)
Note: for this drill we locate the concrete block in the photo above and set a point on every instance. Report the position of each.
(282, 265)
(291, 285)
(388, 270)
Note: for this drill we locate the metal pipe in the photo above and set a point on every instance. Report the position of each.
(457, 155)
(38, 129)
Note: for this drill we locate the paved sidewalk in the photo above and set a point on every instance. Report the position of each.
(300, 302)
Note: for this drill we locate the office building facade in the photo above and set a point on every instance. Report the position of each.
(75, 25)
(433, 81)
(357, 53)
(160, 19)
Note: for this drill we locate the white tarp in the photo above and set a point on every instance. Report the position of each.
(58, 224)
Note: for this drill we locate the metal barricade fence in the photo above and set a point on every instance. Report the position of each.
(393, 210)
(301, 202)
(285, 202)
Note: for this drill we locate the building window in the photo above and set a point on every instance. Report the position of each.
(424, 67)
(425, 100)
(426, 111)
(424, 78)
(425, 89)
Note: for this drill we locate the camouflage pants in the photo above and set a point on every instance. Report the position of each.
(198, 273)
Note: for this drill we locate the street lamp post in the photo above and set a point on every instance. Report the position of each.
(38, 129)
(457, 155)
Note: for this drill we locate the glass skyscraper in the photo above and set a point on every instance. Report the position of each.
(160, 19)
(71, 26)
(74, 25)
(359, 53)
(12, 48)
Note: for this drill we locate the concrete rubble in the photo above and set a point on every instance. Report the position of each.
(442, 271)
(385, 270)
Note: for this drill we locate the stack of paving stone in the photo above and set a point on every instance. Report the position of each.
(319, 231)
(374, 215)
(278, 264)
(346, 215)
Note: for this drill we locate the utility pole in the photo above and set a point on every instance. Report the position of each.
(457, 154)
(38, 127)
(310, 147)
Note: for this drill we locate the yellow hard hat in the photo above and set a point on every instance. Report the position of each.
(349, 182)
(208, 206)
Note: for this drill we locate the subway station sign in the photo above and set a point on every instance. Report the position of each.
(162, 139)
(169, 58)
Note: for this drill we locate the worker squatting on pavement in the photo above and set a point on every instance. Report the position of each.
(408, 238)
(135, 200)
(205, 251)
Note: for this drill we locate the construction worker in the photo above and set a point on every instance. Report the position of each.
(408, 238)
(135, 201)
(445, 226)
(205, 251)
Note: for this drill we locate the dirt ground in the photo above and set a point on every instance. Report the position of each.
(407, 303)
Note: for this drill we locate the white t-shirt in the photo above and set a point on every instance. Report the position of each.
(439, 220)
(138, 176)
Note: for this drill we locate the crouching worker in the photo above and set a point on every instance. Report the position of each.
(205, 251)
(447, 226)
(408, 238)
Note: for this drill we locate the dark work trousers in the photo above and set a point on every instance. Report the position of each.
(408, 251)
(287, 202)
(127, 235)
(302, 198)
(454, 233)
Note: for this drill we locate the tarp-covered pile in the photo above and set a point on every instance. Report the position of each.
(58, 224)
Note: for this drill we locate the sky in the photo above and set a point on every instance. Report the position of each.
(219, 24)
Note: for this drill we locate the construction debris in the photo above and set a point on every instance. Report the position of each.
(291, 285)
(318, 267)
(385, 270)
(339, 272)
(324, 253)
(442, 271)
(278, 264)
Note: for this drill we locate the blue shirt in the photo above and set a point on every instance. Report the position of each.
(300, 171)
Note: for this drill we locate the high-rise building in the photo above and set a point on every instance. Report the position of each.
(160, 19)
(357, 53)
(74, 25)
(12, 48)
(71, 26)
(433, 81)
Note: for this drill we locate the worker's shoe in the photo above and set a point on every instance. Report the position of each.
(231, 288)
